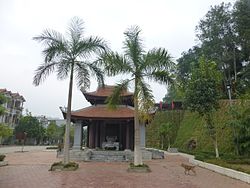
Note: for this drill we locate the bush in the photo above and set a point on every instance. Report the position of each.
(52, 147)
(66, 167)
(2, 157)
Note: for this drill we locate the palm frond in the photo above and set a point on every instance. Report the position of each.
(133, 44)
(82, 75)
(145, 96)
(76, 30)
(114, 64)
(63, 69)
(97, 72)
(162, 77)
(157, 59)
(145, 99)
(115, 99)
(55, 44)
(91, 45)
(43, 71)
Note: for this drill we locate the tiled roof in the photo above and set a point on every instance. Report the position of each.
(103, 112)
(106, 91)
(15, 95)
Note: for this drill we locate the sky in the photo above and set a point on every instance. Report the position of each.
(164, 23)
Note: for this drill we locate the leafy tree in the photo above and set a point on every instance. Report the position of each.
(31, 126)
(241, 16)
(69, 57)
(202, 95)
(156, 65)
(218, 41)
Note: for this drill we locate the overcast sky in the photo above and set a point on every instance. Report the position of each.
(164, 23)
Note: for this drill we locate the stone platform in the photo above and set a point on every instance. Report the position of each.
(110, 156)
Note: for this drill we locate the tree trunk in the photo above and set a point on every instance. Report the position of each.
(216, 148)
(68, 122)
(162, 145)
(137, 145)
(168, 143)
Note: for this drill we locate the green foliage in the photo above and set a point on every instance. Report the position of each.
(202, 91)
(31, 126)
(2, 157)
(155, 129)
(239, 122)
(71, 166)
(5, 131)
(175, 93)
(54, 133)
(239, 165)
(224, 38)
(192, 127)
(241, 16)
(167, 132)
(3, 100)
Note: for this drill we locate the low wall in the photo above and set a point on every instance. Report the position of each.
(225, 171)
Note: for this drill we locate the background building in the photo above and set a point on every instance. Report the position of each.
(13, 106)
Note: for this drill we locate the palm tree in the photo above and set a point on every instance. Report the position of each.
(69, 57)
(155, 65)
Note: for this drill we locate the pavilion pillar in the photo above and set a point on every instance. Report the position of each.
(77, 136)
(127, 136)
(142, 128)
(102, 133)
(96, 135)
(91, 136)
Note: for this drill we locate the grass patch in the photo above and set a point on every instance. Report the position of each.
(235, 165)
(138, 168)
(71, 166)
(239, 163)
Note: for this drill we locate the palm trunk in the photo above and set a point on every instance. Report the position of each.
(137, 146)
(68, 122)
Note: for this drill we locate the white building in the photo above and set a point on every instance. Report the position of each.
(13, 106)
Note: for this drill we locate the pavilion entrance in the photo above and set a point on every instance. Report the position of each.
(108, 134)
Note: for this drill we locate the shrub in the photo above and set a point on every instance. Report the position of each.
(61, 166)
(52, 147)
(2, 157)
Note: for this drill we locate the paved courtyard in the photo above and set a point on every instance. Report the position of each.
(30, 170)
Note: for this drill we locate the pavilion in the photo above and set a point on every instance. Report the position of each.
(103, 123)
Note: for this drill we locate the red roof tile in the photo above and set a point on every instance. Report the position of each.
(106, 91)
(102, 111)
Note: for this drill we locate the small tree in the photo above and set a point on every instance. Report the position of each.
(5, 132)
(166, 131)
(202, 95)
(52, 132)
